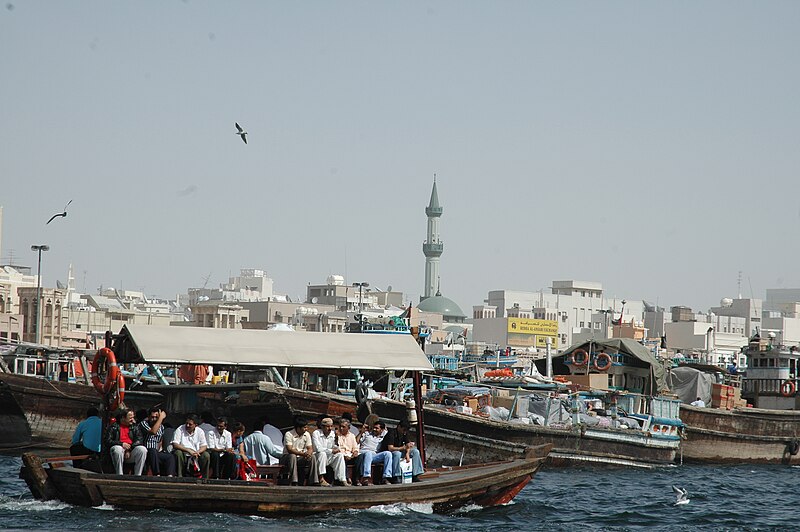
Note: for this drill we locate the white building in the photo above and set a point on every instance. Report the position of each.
(577, 306)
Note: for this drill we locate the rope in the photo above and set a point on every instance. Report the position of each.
(60, 392)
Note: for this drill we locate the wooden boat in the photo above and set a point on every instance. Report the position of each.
(727, 432)
(571, 445)
(445, 489)
(49, 408)
(742, 435)
(485, 484)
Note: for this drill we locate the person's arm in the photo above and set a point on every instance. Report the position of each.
(289, 442)
(203, 444)
(177, 445)
(317, 445)
(157, 425)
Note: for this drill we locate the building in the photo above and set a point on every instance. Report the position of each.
(219, 315)
(749, 309)
(579, 307)
(51, 315)
(433, 246)
(337, 294)
(250, 285)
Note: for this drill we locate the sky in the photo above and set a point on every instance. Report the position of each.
(649, 146)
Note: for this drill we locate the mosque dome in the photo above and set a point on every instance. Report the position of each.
(445, 306)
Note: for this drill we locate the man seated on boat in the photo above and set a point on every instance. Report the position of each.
(189, 444)
(260, 447)
(298, 452)
(398, 443)
(125, 442)
(87, 438)
(159, 461)
(327, 453)
(369, 454)
(347, 443)
(347, 416)
(220, 449)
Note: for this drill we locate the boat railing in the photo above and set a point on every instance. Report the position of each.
(769, 386)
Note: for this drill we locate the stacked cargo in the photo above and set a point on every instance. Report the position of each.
(722, 396)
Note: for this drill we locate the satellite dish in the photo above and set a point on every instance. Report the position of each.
(389, 288)
(314, 300)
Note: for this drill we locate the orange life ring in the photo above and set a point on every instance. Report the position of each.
(573, 358)
(111, 375)
(788, 388)
(119, 395)
(606, 365)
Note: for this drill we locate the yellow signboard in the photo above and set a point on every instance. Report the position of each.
(529, 326)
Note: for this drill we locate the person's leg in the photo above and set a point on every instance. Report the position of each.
(180, 460)
(396, 457)
(322, 462)
(204, 462)
(416, 463)
(366, 469)
(289, 461)
(336, 461)
(153, 462)
(227, 465)
(117, 456)
(166, 464)
(387, 464)
(139, 458)
(313, 471)
(214, 463)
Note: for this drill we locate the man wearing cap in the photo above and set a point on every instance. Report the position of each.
(327, 453)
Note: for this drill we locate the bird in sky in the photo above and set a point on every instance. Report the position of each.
(681, 494)
(59, 214)
(242, 133)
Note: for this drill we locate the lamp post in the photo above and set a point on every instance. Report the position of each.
(361, 287)
(39, 249)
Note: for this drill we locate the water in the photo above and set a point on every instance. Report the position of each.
(724, 498)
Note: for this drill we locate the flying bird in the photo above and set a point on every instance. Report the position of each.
(59, 214)
(242, 133)
(681, 494)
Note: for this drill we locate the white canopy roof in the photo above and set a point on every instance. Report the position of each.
(249, 347)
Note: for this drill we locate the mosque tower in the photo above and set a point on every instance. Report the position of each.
(433, 247)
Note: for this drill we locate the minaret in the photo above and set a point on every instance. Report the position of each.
(433, 247)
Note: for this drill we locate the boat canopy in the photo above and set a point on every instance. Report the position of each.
(251, 347)
(626, 346)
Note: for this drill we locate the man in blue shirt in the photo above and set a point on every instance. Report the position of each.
(87, 437)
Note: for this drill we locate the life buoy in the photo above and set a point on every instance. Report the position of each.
(119, 394)
(573, 358)
(605, 365)
(788, 388)
(111, 374)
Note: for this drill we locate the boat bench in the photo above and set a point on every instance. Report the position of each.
(278, 474)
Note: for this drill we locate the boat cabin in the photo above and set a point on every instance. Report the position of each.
(49, 364)
(771, 380)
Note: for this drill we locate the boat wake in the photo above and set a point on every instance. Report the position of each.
(30, 505)
(103, 506)
(400, 508)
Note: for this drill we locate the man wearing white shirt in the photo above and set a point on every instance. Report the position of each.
(188, 443)
(220, 449)
(327, 453)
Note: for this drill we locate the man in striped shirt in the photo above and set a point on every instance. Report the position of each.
(159, 461)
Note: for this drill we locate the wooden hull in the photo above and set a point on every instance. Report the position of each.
(16, 434)
(747, 435)
(485, 485)
(53, 409)
(609, 446)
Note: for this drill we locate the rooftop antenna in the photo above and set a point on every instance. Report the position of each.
(206, 278)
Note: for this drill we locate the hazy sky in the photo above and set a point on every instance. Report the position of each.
(650, 146)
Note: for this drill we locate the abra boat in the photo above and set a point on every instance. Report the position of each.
(446, 489)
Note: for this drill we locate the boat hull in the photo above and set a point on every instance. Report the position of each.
(53, 409)
(749, 435)
(485, 485)
(573, 445)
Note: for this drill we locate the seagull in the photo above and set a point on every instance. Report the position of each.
(242, 133)
(681, 494)
(61, 214)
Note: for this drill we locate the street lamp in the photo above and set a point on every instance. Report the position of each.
(360, 286)
(39, 249)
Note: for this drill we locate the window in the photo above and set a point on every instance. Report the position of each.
(771, 362)
(581, 325)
